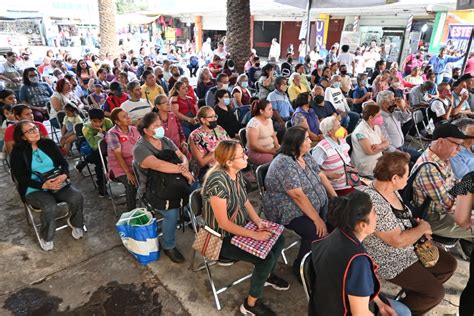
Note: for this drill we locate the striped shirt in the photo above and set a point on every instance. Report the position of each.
(329, 156)
(220, 184)
(430, 182)
(136, 109)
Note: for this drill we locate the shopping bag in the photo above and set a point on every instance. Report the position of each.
(138, 230)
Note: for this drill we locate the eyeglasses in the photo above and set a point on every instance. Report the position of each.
(453, 142)
(32, 130)
(215, 116)
(244, 155)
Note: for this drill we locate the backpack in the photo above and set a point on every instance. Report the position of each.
(407, 194)
(194, 61)
(165, 191)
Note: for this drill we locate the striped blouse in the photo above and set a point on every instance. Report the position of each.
(221, 185)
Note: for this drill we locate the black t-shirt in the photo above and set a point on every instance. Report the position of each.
(228, 121)
(323, 111)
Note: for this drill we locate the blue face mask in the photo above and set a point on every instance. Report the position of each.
(244, 84)
(336, 84)
(227, 101)
(159, 133)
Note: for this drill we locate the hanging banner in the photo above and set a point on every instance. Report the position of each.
(350, 38)
(319, 34)
(458, 37)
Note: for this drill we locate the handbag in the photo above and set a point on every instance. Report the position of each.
(208, 242)
(352, 174)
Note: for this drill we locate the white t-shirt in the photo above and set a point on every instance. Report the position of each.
(136, 109)
(335, 96)
(346, 59)
(438, 107)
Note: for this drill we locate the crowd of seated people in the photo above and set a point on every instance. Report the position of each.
(337, 126)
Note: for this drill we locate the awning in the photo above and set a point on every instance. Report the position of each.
(134, 19)
(317, 4)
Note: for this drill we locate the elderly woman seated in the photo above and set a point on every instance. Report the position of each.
(332, 155)
(368, 143)
(297, 191)
(396, 233)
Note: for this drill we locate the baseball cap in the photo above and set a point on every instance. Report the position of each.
(449, 130)
(97, 83)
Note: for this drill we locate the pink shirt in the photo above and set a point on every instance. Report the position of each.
(116, 138)
(470, 66)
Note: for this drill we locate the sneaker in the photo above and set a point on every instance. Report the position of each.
(81, 164)
(174, 255)
(259, 309)
(46, 245)
(277, 283)
(77, 233)
(224, 262)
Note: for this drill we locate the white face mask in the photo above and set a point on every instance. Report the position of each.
(225, 86)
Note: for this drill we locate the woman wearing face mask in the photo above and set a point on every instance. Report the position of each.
(35, 93)
(317, 73)
(331, 154)
(361, 94)
(226, 117)
(204, 140)
(241, 94)
(368, 143)
(170, 123)
(144, 156)
(395, 87)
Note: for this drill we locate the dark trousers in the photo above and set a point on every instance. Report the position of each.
(466, 303)
(94, 158)
(305, 228)
(424, 286)
(193, 70)
(130, 192)
(414, 154)
(48, 201)
(263, 267)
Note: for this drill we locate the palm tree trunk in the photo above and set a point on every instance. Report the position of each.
(108, 32)
(238, 32)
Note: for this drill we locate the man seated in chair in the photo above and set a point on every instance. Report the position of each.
(449, 211)
(94, 131)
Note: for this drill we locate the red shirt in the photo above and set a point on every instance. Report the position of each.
(10, 129)
(470, 66)
(113, 102)
(185, 105)
(191, 94)
(212, 67)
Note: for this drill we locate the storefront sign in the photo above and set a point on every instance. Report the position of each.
(319, 34)
(458, 37)
(350, 38)
(465, 4)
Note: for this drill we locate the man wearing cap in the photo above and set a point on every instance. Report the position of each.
(449, 212)
(440, 61)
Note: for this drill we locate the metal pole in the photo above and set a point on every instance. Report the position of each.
(308, 23)
(469, 44)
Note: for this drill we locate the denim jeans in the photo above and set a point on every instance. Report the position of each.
(168, 227)
(414, 154)
(400, 308)
(48, 201)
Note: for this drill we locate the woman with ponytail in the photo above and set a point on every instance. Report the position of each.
(345, 282)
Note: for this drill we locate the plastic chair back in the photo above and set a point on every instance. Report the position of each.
(308, 276)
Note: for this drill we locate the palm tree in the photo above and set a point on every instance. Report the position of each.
(108, 32)
(238, 32)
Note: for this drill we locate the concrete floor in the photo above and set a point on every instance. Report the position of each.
(96, 275)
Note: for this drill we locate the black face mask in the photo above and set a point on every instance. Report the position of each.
(392, 108)
(343, 72)
(135, 63)
(290, 60)
(212, 124)
(456, 77)
(160, 76)
(319, 99)
(257, 65)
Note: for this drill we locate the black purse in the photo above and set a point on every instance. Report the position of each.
(48, 175)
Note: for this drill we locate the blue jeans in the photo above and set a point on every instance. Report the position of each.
(400, 308)
(168, 227)
(350, 121)
(414, 154)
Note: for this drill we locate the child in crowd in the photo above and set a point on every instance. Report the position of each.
(67, 131)
(7, 113)
(97, 98)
